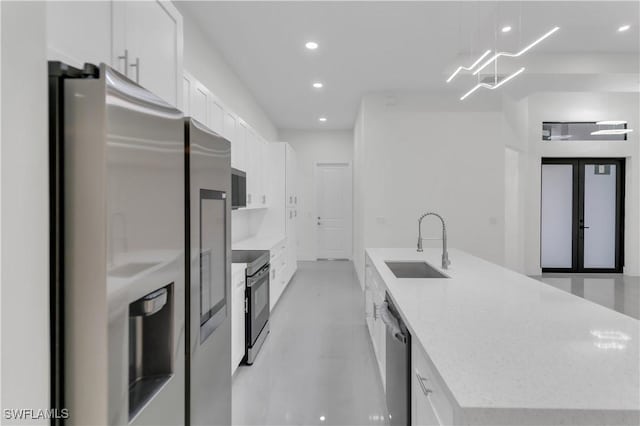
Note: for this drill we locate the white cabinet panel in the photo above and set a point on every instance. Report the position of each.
(200, 104)
(238, 142)
(265, 171)
(430, 403)
(216, 117)
(147, 41)
(187, 84)
(252, 158)
(76, 41)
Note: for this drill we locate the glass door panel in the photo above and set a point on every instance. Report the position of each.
(556, 242)
(600, 215)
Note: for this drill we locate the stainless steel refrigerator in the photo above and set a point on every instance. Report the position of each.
(209, 250)
(117, 174)
(139, 205)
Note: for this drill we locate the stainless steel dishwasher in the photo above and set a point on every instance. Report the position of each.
(398, 365)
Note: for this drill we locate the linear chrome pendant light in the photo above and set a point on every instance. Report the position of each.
(611, 132)
(611, 122)
(470, 68)
(515, 55)
(492, 86)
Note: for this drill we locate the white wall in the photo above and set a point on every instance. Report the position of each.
(203, 60)
(582, 107)
(24, 218)
(358, 193)
(312, 147)
(422, 153)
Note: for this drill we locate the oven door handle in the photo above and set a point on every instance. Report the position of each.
(251, 281)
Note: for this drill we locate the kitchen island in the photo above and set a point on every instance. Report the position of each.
(494, 347)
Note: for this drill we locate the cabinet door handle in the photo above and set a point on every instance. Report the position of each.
(421, 381)
(136, 65)
(126, 61)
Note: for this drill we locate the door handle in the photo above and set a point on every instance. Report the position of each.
(136, 65)
(126, 61)
(421, 381)
(584, 227)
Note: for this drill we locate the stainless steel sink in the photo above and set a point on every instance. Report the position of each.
(415, 269)
(130, 269)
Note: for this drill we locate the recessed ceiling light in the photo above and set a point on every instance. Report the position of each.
(318, 85)
(322, 119)
(311, 45)
(506, 29)
(624, 28)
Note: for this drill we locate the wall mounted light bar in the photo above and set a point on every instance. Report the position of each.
(460, 68)
(495, 86)
(515, 55)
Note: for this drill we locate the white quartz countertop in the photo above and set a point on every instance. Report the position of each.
(258, 243)
(500, 339)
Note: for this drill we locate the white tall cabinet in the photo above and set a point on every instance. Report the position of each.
(141, 39)
(282, 215)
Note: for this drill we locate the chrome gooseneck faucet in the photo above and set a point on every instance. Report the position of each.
(445, 254)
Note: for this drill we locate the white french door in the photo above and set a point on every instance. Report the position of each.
(582, 209)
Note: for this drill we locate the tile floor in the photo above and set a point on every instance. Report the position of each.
(317, 366)
(615, 291)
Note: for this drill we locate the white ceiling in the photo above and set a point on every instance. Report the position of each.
(397, 46)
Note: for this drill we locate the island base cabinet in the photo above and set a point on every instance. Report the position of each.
(374, 298)
(430, 404)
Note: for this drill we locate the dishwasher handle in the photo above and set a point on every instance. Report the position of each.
(392, 323)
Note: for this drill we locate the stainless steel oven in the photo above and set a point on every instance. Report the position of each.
(257, 311)
(256, 299)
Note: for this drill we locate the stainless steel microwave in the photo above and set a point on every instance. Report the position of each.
(238, 189)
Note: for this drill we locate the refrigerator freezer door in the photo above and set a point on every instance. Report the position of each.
(124, 241)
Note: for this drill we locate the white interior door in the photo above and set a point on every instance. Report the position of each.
(333, 207)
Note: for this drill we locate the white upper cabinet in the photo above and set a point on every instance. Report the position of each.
(147, 46)
(216, 117)
(76, 41)
(141, 39)
(254, 173)
(200, 103)
(266, 172)
(187, 85)
(238, 145)
(249, 151)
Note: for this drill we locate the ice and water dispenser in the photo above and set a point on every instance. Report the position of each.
(150, 342)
